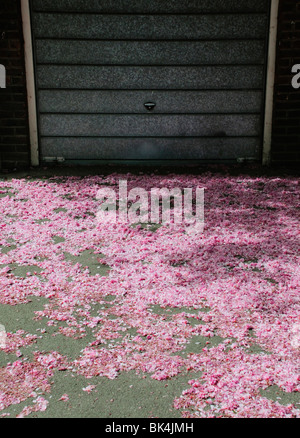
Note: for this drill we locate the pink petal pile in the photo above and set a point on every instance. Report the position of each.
(237, 281)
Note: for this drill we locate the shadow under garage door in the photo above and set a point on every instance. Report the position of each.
(160, 79)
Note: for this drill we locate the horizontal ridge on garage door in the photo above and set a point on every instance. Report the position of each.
(150, 148)
(153, 6)
(149, 125)
(149, 52)
(149, 27)
(193, 78)
(132, 102)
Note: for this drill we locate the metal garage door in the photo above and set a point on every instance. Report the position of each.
(200, 65)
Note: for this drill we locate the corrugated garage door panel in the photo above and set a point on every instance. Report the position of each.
(147, 53)
(129, 101)
(152, 7)
(201, 62)
(149, 27)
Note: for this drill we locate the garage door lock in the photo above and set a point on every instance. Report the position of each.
(150, 106)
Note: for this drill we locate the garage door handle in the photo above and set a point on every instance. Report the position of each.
(150, 106)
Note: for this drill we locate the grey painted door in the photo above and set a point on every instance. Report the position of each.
(199, 64)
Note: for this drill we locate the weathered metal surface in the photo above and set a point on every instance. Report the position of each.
(167, 101)
(153, 6)
(119, 77)
(161, 125)
(149, 27)
(150, 53)
(119, 148)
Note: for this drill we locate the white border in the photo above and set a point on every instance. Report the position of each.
(269, 103)
(30, 82)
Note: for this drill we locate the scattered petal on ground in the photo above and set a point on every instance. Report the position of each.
(64, 398)
(156, 289)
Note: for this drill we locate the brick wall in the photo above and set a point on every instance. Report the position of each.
(14, 138)
(286, 120)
